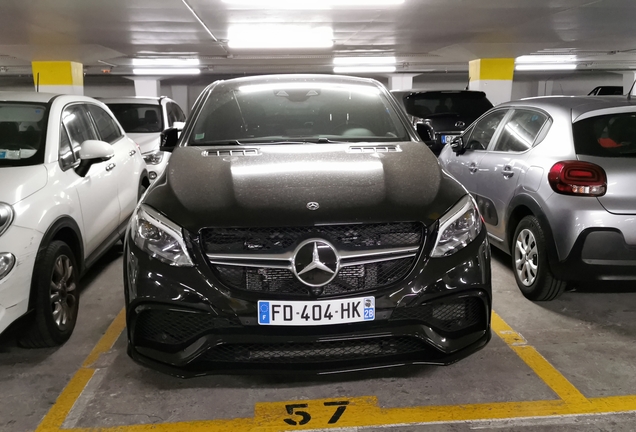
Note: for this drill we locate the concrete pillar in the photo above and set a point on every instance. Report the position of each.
(180, 96)
(494, 77)
(545, 88)
(64, 77)
(628, 81)
(401, 81)
(147, 87)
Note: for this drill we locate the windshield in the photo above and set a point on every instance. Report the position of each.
(612, 135)
(464, 104)
(297, 111)
(138, 118)
(22, 133)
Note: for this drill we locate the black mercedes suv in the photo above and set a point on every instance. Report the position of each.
(302, 225)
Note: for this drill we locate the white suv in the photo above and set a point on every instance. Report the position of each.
(143, 119)
(70, 180)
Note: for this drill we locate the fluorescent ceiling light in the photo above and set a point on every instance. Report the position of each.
(546, 59)
(279, 36)
(165, 62)
(364, 69)
(309, 4)
(545, 67)
(167, 71)
(375, 61)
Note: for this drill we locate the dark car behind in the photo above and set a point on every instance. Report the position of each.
(442, 115)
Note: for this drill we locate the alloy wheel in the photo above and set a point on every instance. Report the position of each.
(63, 293)
(526, 257)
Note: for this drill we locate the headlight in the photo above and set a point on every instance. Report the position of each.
(159, 237)
(154, 158)
(457, 228)
(6, 217)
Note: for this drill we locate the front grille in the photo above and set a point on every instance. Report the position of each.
(171, 327)
(447, 316)
(349, 279)
(313, 352)
(275, 240)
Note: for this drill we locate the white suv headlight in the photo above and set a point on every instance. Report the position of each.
(154, 158)
(159, 237)
(6, 217)
(457, 228)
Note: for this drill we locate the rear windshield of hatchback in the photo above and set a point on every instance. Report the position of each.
(612, 135)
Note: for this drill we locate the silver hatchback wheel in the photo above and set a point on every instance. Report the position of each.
(526, 257)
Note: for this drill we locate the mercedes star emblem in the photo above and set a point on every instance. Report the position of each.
(316, 262)
(313, 205)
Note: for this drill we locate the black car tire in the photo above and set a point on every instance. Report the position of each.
(43, 331)
(544, 286)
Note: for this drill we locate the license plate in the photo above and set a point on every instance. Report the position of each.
(314, 313)
(446, 139)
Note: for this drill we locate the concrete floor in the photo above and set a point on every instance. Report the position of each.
(587, 335)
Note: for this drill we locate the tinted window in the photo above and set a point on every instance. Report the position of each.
(611, 135)
(106, 126)
(520, 131)
(78, 125)
(172, 114)
(138, 118)
(67, 157)
(468, 105)
(22, 133)
(483, 132)
(178, 112)
(297, 110)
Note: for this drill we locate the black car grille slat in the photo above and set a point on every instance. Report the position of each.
(447, 316)
(294, 353)
(349, 279)
(373, 236)
(176, 327)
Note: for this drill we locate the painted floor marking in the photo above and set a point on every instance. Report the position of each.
(339, 413)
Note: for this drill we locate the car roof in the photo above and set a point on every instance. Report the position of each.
(577, 105)
(295, 78)
(26, 96)
(133, 99)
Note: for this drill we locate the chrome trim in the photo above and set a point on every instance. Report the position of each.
(374, 149)
(495, 238)
(375, 252)
(231, 152)
(253, 264)
(375, 260)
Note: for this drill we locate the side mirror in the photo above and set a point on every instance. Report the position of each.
(169, 139)
(425, 131)
(92, 152)
(457, 145)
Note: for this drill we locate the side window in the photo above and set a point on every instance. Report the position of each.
(66, 155)
(78, 125)
(484, 130)
(171, 114)
(107, 127)
(520, 131)
(179, 113)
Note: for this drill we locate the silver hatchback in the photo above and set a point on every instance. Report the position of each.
(555, 181)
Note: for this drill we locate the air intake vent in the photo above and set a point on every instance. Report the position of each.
(374, 149)
(227, 152)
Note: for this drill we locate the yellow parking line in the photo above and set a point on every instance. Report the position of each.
(544, 370)
(59, 411)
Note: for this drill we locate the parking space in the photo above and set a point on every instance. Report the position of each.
(545, 363)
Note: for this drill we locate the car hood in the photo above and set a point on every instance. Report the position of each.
(20, 182)
(274, 186)
(147, 142)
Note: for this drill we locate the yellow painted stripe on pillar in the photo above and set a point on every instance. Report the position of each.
(55, 73)
(548, 373)
(492, 69)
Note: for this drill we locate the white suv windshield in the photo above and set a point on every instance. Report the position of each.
(22, 133)
(297, 111)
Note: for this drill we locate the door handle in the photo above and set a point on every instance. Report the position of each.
(507, 171)
(132, 152)
(110, 167)
(473, 168)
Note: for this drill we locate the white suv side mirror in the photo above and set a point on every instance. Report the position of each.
(92, 152)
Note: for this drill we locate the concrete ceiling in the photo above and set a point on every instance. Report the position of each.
(424, 35)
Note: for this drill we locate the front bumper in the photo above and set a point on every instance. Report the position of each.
(184, 322)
